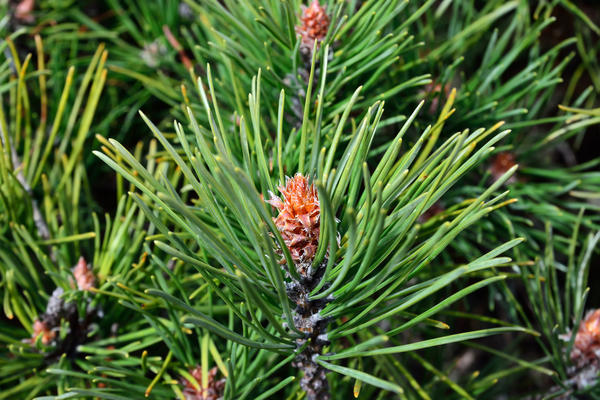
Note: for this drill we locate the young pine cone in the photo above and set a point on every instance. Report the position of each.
(213, 391)
(84, 277)
(315, 24)
(298, 220)
(41, 328)
(23, 11)
(50, 323)
(586, 348)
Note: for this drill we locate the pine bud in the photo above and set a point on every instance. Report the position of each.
(49, 323)
(24, 10)
(315, 24)
(41, 328)
(213, 391)
(298, 220)
(586, 348)
(84, 277)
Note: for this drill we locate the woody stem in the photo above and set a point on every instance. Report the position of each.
(307, 319)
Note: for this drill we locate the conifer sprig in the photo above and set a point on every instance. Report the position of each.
(289, 237)
(365, 273)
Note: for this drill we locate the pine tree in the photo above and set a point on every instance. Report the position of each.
(384, 198)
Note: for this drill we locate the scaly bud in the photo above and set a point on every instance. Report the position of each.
(84, 277)
(41, 328)
(315, 24)
(586, 348)
(213, 391)
(298, 220)
(24, 10)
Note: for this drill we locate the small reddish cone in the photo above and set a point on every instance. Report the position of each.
(502, 163)
(41, 328)
(213, 391)
(586, 348)
(84, 276)
(23, 11)
(298, 220)
(315, 24)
